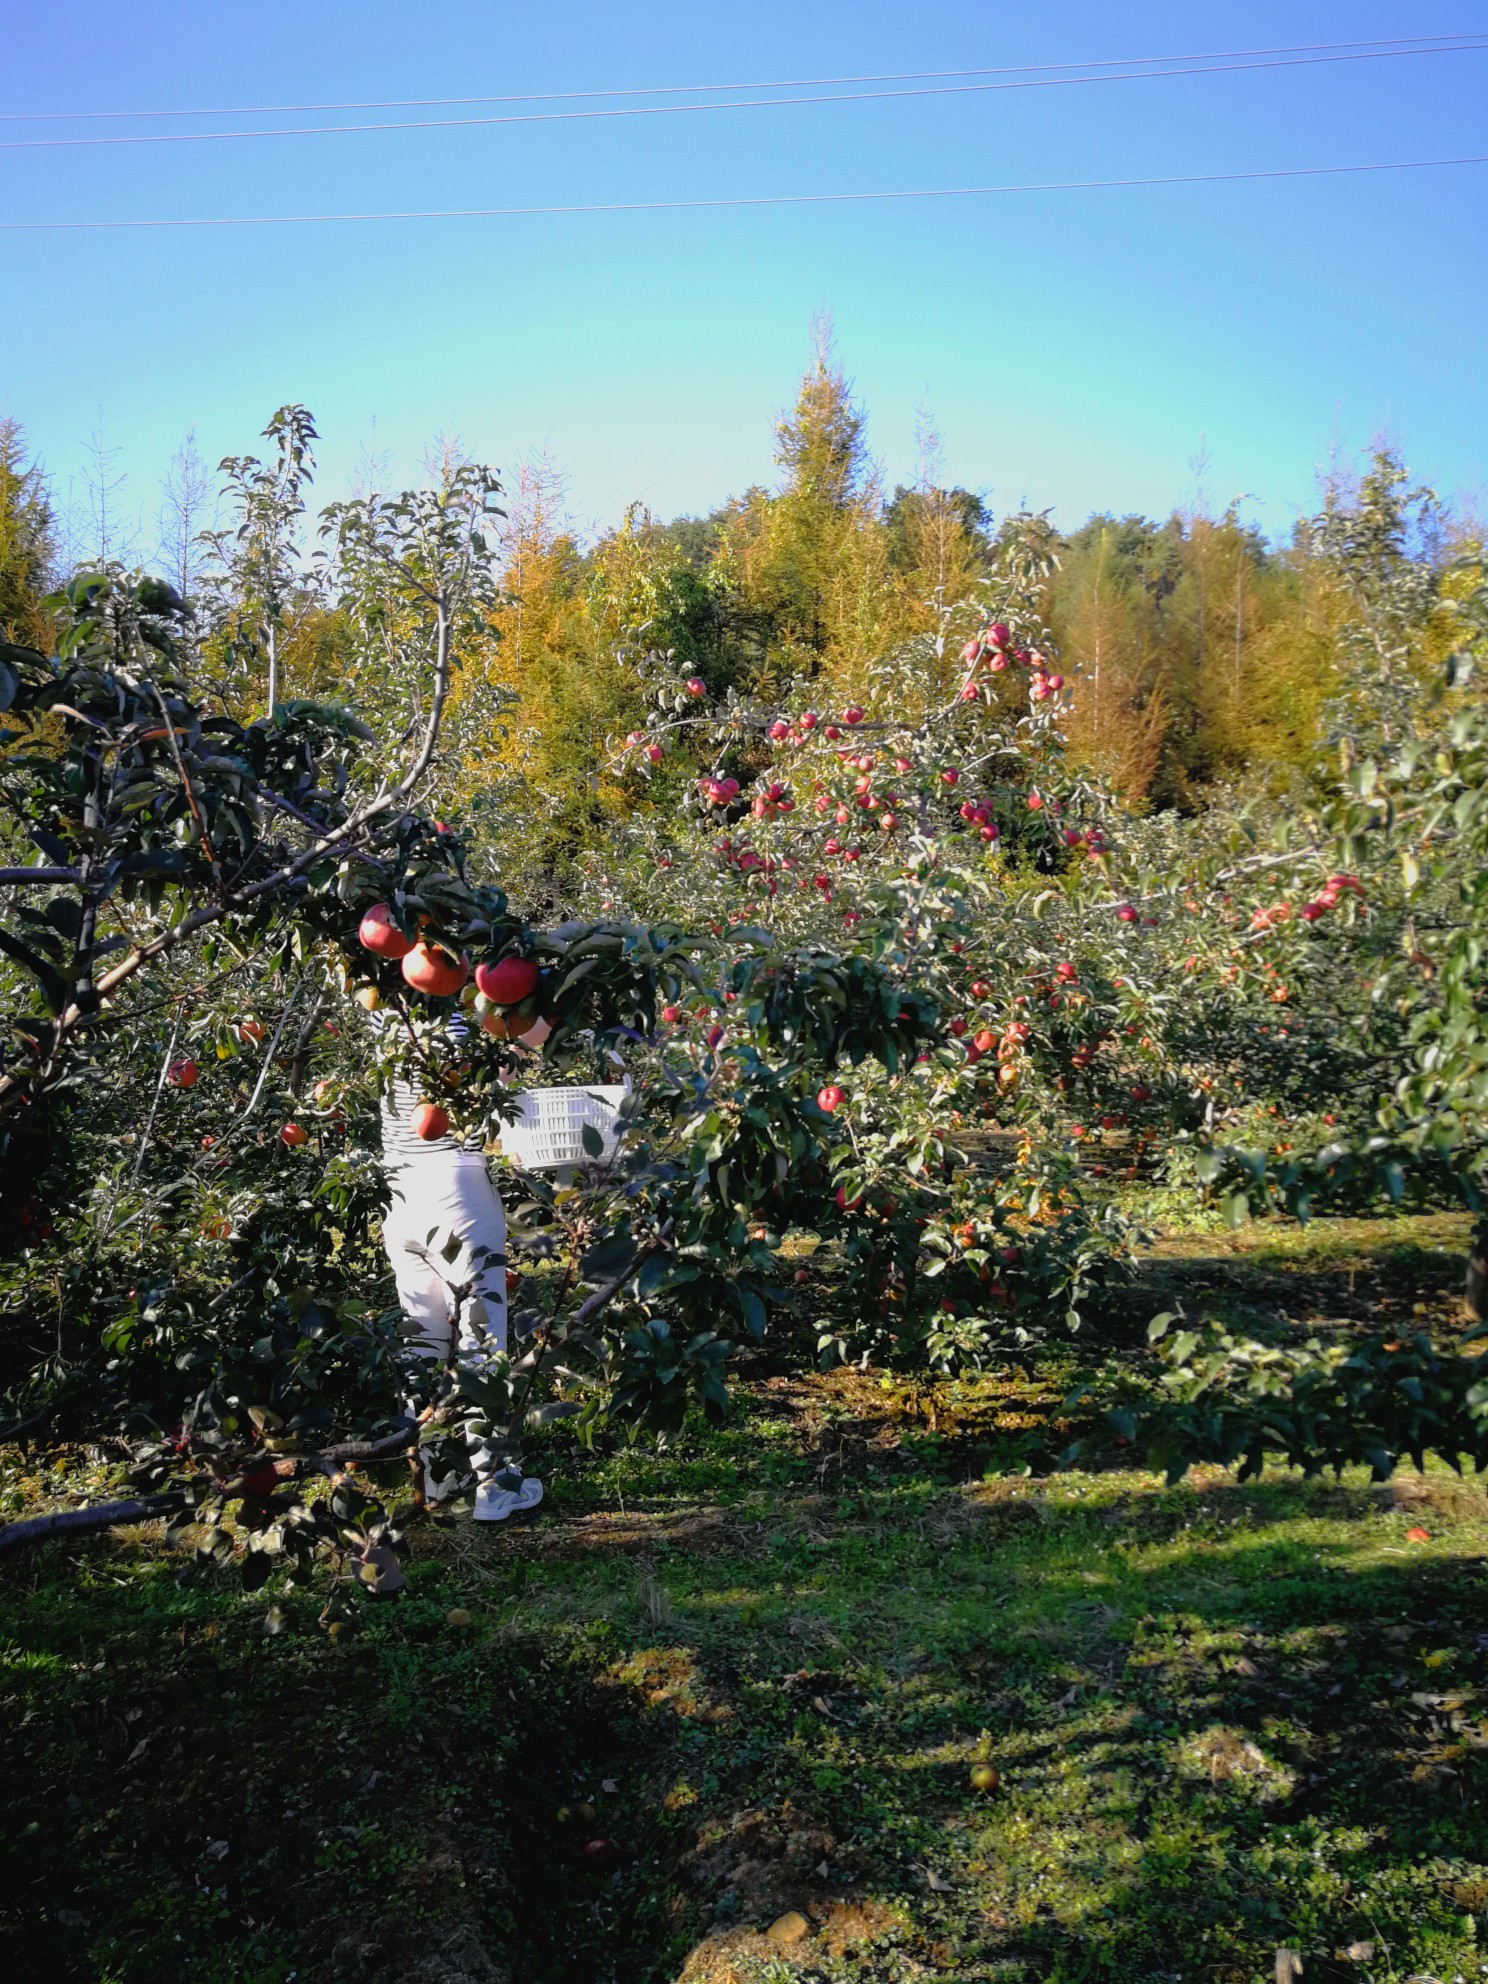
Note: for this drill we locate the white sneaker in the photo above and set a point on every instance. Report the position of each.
(493, 1504)
(441, 1491)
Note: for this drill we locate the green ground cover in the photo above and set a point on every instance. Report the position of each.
(716, 1711)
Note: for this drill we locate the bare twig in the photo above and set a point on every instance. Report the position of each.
(188, 788)
(19, 1428)
(149, 1129)
(233, 1129)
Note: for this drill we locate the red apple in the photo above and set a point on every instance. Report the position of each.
(508, 981)
(431, 969)
(429, 1121)
(378, 933)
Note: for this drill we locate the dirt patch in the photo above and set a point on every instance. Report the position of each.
(820, 1925)
(1464, 1501)
(374, 1951)
(635, 1534)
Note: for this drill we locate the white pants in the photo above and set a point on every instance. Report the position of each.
(435, 1198)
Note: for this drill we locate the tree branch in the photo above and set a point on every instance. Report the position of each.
(109, 1515)
(289, 1467)
(87, 1522)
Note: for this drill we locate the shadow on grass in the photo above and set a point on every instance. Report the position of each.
(1225, 1720)
(188, 1798)
(1339, 1276)
(1231, 1726)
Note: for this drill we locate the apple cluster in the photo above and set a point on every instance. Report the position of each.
(503, 995)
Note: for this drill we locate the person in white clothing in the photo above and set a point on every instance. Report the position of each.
(440, 1189)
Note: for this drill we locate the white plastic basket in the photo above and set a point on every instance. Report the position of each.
(550, 1131)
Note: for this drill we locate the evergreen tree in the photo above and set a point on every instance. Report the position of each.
(27, 541)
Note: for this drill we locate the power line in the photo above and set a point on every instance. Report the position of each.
(708, 89)
(751, 200)
(748, 103)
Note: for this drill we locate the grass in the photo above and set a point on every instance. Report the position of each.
(757, 1671)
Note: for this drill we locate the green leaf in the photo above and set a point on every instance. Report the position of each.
(608, 1256)
(54, 849)
(53, 990)
(653, 1272)
(592, 1141)
(580, 972)
(153, 861)
(753, 1309)
(257, 1569)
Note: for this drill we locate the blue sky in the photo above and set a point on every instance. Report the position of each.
(1075, 349)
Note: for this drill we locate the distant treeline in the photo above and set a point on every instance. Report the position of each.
(1197, 652)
